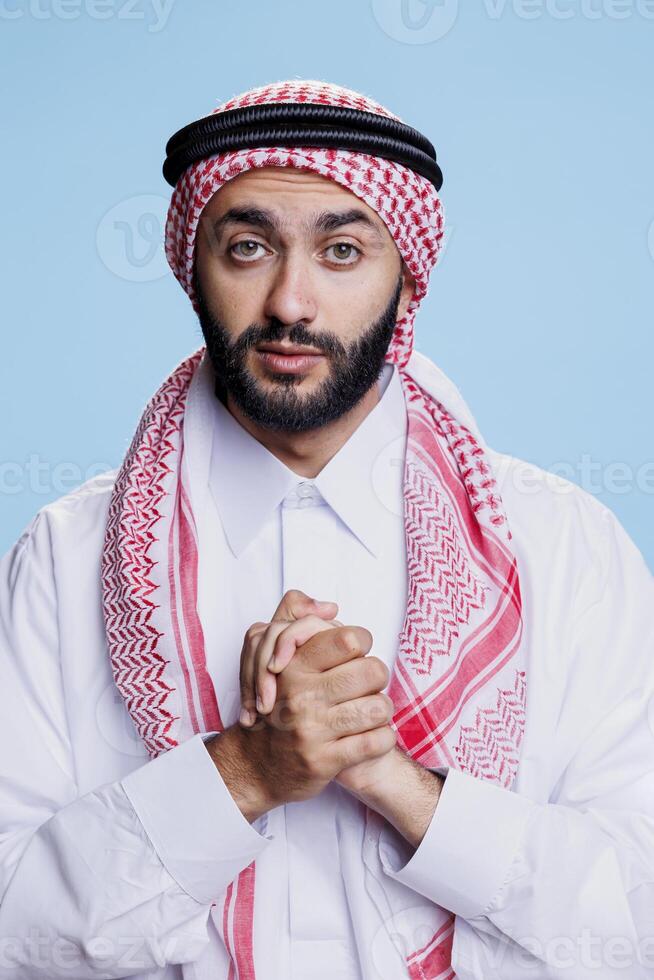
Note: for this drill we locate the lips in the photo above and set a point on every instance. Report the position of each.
(289, 350)
(288, 360)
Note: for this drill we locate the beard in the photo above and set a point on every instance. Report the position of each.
(354, 369)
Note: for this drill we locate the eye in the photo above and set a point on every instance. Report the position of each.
(344, 252)
(244, 250)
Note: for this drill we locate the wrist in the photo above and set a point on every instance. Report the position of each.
(372, 780)
(400, 790)
(233, 753)
(411, 799)
(378, 784)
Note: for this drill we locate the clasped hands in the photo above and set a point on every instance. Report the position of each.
(313, 711)
(306, 675)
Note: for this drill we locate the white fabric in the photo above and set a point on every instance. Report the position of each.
(272, 530)
(91, 832)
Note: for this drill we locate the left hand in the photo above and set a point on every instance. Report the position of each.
(270, 649)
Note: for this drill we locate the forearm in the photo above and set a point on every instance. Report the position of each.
(242, 770)
(402, 791)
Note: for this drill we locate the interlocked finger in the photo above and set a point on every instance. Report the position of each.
(279, 643)
(361, 715)
(251, 641)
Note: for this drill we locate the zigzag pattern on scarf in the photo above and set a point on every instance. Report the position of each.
(444, 588)
(127, 565)
(489, 749)
(474, 471)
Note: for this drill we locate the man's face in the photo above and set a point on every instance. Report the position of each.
(287, 257)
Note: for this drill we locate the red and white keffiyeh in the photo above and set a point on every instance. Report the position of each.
(458, 682)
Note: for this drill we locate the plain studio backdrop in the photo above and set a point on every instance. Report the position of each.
(540, 311)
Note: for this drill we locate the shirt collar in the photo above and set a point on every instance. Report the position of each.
(361, 483)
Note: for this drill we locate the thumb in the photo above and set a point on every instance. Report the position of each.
(295, 604)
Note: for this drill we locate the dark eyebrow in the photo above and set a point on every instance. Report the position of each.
(245, 216)
(331, 220)
(323, 222)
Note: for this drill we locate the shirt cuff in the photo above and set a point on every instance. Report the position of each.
(464, 858)
(200, 835)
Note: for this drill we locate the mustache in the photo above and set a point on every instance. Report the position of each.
(298, 335)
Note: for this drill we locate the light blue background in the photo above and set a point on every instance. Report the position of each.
(541, 310)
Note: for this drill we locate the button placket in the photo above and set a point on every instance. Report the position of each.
(303, 494)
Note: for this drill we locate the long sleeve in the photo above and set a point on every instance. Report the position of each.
(566, 884)
(119, 880)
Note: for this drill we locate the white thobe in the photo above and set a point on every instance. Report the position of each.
(271, 531)
(109, 863)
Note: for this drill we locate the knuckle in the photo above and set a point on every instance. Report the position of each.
(380, 740)
(378, 672)
(365, 639)
(253, 631)
(348, 640)
(390, 738)
(380, 710)
(248, 703)
(368, 743)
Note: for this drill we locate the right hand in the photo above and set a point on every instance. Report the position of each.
(268, 647)
(330, 714)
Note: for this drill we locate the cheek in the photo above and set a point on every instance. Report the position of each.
(235, 303)
(352, 306)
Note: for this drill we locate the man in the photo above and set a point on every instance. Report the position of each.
(453, 778)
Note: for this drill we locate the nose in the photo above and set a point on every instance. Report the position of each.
(291, 296)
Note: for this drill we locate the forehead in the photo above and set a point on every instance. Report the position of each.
(291, 193)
